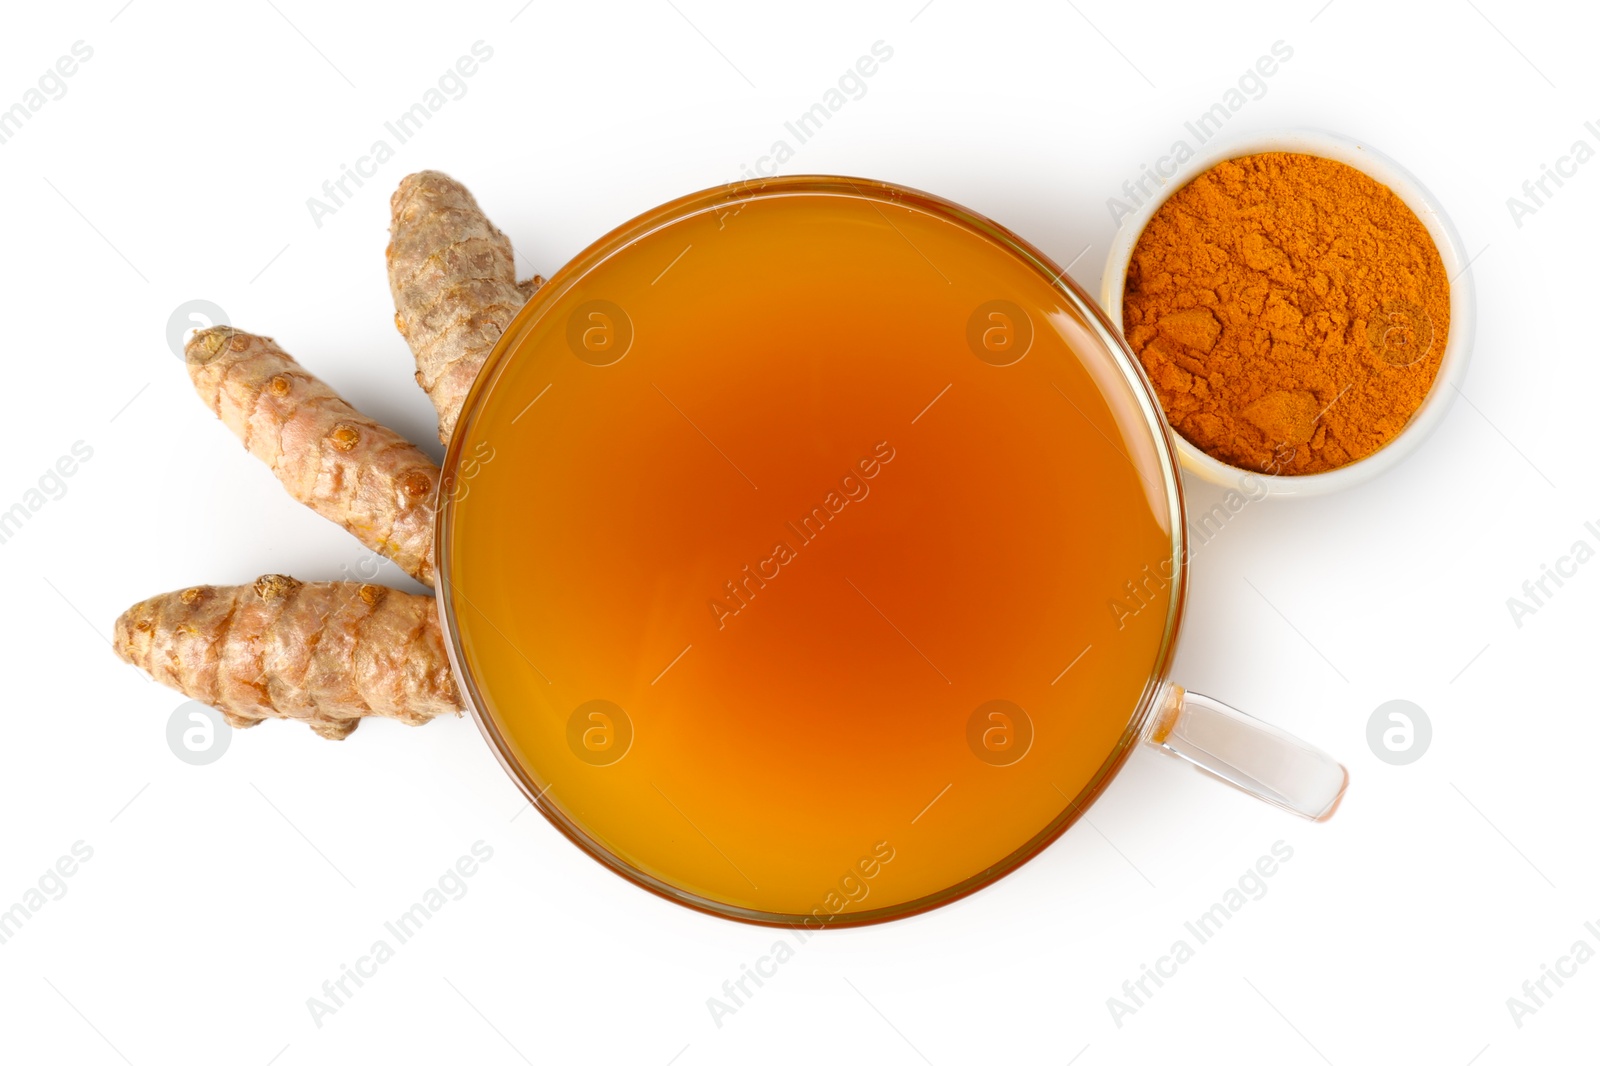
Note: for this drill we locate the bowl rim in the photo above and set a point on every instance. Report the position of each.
(1463, 302)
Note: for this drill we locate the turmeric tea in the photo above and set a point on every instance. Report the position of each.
(1290, 310)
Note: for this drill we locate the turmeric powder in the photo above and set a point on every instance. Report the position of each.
(1290, 311)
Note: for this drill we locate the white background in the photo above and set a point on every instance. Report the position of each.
(219, 898)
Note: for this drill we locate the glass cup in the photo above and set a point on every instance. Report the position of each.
(598, 474)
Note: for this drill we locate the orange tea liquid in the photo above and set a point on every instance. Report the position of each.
(786, 552)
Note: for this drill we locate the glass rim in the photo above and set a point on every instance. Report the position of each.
(875, 191)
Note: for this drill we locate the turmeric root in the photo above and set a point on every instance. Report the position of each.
(454, 285)
(332, 653)
(328, 653)
(341, 464)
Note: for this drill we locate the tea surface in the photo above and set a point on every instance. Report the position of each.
(788, 548)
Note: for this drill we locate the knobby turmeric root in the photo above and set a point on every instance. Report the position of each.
(454, 284)
(332, 653)
(327, 654)
(330, 457)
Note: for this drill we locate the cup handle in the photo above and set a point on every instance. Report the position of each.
(1249, 754)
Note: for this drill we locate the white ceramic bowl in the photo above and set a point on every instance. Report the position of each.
(1458, 345)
